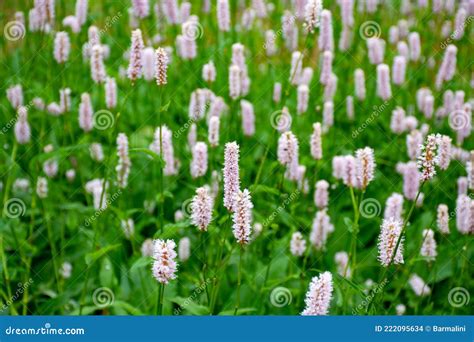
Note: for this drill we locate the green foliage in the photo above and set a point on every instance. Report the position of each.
(65, 226)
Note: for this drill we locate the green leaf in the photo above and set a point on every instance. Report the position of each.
(130, 309)
(106, 275)
(351, 284)
(188, 305)
(62, 152)
(73, 206)
(254, 189)
(279, 268)
(141, 263)
(348, 223)
(444, 269)
(153, 155)
(165, 107)
(94, 256)
(339, 298)
(239, 312)
(86, 310)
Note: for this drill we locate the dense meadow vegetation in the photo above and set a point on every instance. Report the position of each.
(311, 161)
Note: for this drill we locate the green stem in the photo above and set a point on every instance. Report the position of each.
(355, 230)
(302, 278)
(314, 176)
(10, 177)
(7, 276)
(239, 280)
(162, 208)
(260, 168)
(267, 273)
(216, 279)
(282, 178)
(53, 249)
(88, 271)
(292, 76)
(204, 265)
(101, 202)
(161, 293)
(408, 270)
(219, 267)
(405, 223)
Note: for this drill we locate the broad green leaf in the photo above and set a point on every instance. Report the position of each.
(188, 305)
(94, 256)
(239, 312)
(128, 308)
(107, 276)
